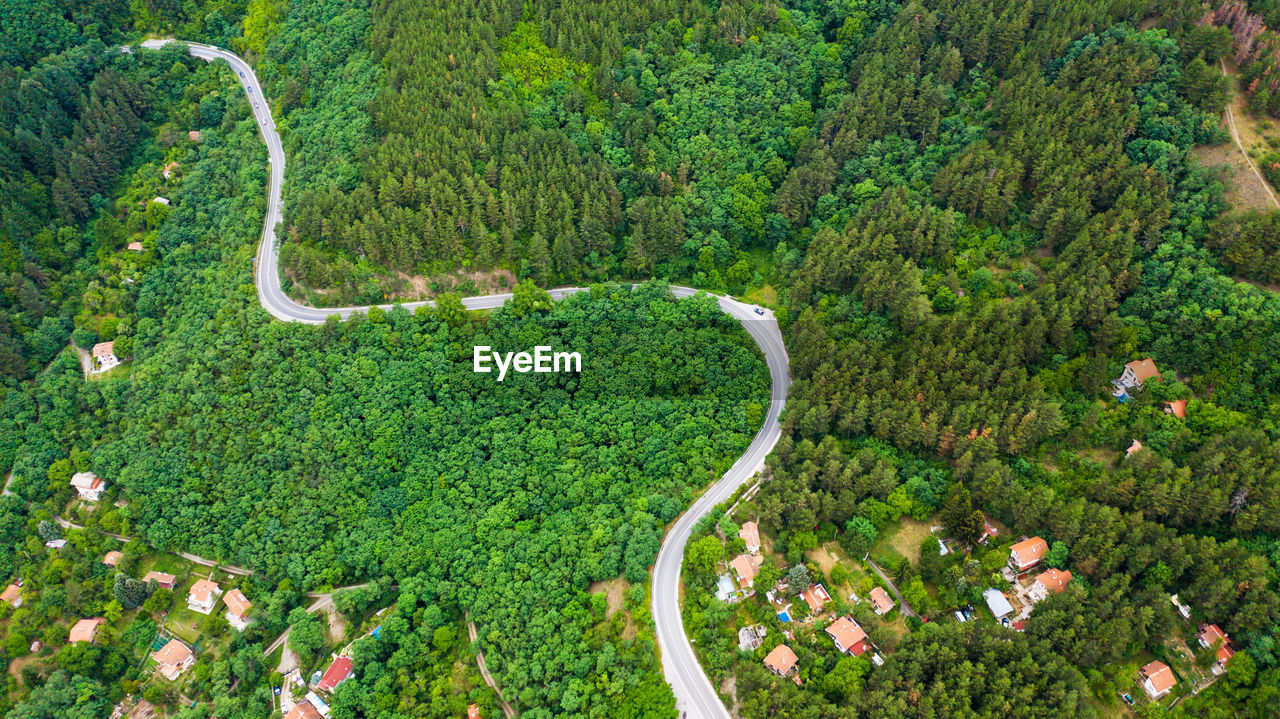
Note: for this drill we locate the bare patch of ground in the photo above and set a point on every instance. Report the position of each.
(487, 282)
(1242, 188)
(16, 665)
(1247, 187)
(906, 541)
(615, 593)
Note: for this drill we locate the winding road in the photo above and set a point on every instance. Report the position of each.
(695, 697)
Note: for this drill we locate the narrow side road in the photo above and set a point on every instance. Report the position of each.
(1235, 135)
(507, 709)
(903, 607)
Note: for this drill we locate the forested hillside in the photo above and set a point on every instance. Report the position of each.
(968, 216)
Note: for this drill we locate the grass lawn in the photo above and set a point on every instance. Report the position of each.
(765, 296)
(180, 621)
(908, 536)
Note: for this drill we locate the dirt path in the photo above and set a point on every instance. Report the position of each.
(193, 558)
(1235, 134)
(893, 588)
(507, 709)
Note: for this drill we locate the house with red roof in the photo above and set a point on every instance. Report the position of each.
(849, 638)
(338, 672)
(1211, 635)
(88, 486)
(1027, 553)
(1157, 679)
(750, 535)
(816, 597)
(781, 661)
(881, 602)
(1050, 582)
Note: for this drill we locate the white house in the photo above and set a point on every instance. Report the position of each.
(88, 485)
(1157, 679)
(725, 588)
(750, 534)
(202, 596)
(1135, 373)
(237, 609)
(997, 602)
(174, 658)
(104, 357)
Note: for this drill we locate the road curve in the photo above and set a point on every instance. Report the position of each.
(695, 697)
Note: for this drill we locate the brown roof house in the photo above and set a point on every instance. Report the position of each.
(848, 636)
(104, 357)
(174, 658)
(112, 558)
(816, 597)
(165, 581)
(237, 609)
(750, 534)
(304, 710)
(1211, 635)
(1050, 582)
(12, 596)
(881, 602)
(1027, 553)
(202, 596)
(85, 630)
(1135, 373)
(781, 661)
(88, 485)
(746, 567)
(1177, 408)
(1157, 679)
(167, 172)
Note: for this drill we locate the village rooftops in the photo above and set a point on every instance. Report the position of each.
(750, 534)
(746, 567)
(1158, 679)
(848, 636)
(164, 580)
(304, 710)
(337, 673)
(781, 661)
(1027, 553)
(174, 658)
(997, 602)
(1054, 581)
(85, 630)
(881, 601)
(816, 597)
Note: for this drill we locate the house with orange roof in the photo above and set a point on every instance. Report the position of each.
(85, 630)
(167, 172)
(781, 661)
(174, 658)
(473, 712)
(237, 609)
(746, 567)
(12, 595)
(165, 581)
(1211, 635)
(750, 534)
(134, 246)
(848, 636)
(1050, 582)
(881, 602)
(112, 558)
(304, 710)
(1134, 375)
(1157, 679)
(203, 595)
(816, 597)
(1027, 553)
(1177, 408)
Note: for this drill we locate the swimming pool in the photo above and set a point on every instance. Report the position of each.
(784, 617)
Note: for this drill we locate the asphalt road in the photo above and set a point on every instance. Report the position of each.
(695, 697)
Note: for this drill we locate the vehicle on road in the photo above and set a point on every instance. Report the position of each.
(759, 311)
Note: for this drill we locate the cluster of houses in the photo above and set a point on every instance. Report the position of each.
(312, 705)
(1157, 677)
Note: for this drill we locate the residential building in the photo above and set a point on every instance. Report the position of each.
(134, 246)
(881, 602)
(104, 357)
(725, 588)
(848, 636)
(173, 659)
(168, 170)
(237, 609)
(1157, 679)
(1027, 553)
(998, 603)
(88, 485)
(202, 596)
(988, 531)
(750, 638)
(12, 595)
(1135, 373)
(320, 704)
(161, 200)
(85, 630)
(1177, 408)
(304, 710)
(746, 567)
(112, 558)
(1050, 582)
(473, 711)
(56, 543)
(1211, 635)
(781, 661)
(1183, 609)
(750, 534)
(1135, 447)
(165, 581)
(338, 672)
(193, 135)
(816, 597)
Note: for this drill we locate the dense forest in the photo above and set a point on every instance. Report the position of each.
(967, 215)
